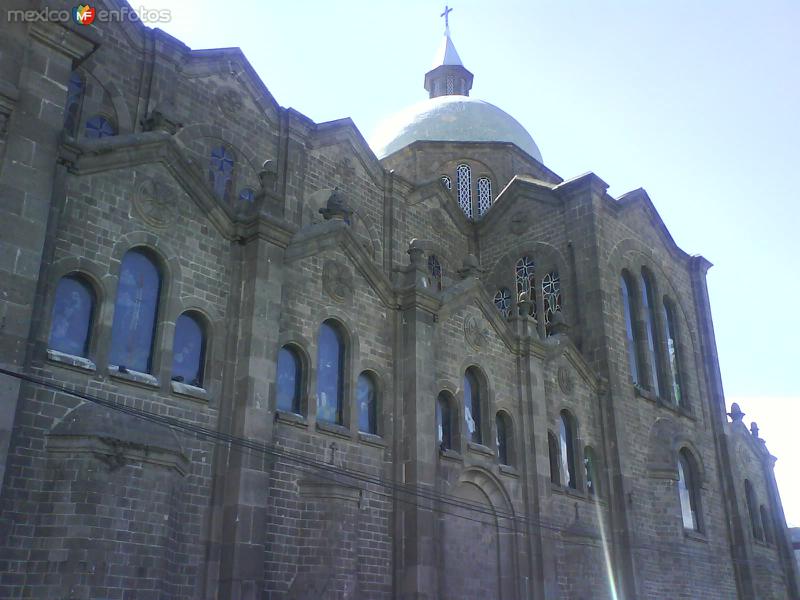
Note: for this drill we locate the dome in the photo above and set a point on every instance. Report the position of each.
(451, 118)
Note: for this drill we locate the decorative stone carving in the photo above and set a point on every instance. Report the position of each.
(229, 101)
(337, 207)
(155, 203)
(519, 223)
(337, 281)
(476, 335)
(565, 380)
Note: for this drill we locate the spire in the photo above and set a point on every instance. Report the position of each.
(448, 77)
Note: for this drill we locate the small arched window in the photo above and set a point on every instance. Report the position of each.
(72, 316)
(330, 374)
(630, 329)
(189, 350)
(590, 465)
(484, 195)
(502, 300)
(289, 381)
(752, 509)
(135, 311)
(653, 350)
(445, 421)
(220, 171)
(555, 460)
(672, 349)
(446, 182)
(99, 127)
(464, 183)
(247, 196)
(435, 271)
(551, 295)
(766, 525)
(472, 406)
(524, 272)
(688, 491)
(566, 442)
(72, 109)
(504, 438)
(367, 399)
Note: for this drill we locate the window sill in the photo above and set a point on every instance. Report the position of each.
(645, 393)
(509, 470)
(371, 439)
(480, 448)
(334, 429)
(681, 410)
(70, 360)
(190, 391)
(450, 454)
(291, 418)
(137, 377)
(691, 534)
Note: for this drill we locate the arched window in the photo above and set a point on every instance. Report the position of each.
(330, 374)
(566, 442)
(445, 421)
(99, 127)
(504, 438)
(630, 328)
(555, 460)
(766, 524)
(502, 300)
(189, 350)
(472, 406)
(247, 196)
(551, 295)
(653, 350)
(367, 399)
(72, 316)
(289, 381)
(72, 109)
(524, 273)
(688, 491)
(484, 195)
(446, 182)
(435, 271)
(672, 349)
(135, 311)
(752, 509)
(464, 182)
(220, 171)
(590, 465)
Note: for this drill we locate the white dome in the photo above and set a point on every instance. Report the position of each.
(451, 119)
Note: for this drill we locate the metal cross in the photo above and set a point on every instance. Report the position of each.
(446, 15)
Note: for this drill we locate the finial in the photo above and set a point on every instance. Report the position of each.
(736, 413)
(754, 429)
(446, 15)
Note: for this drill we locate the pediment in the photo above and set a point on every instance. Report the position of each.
(344, 135)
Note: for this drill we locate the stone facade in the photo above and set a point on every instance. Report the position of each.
(211, 491)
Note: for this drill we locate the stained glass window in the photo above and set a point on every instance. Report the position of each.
(502, 300)
(99, 127)
(367, 399)
(590, 466)
(672, 350)
(653, 353)
(464, 180)
(444, 421)
(72, 109)
(247, 196)
(220, 171)
(73, 312)
(484, 195)
(188, 350)
(472, 407)
(526, 289)
(447, 182)
(503, 425)
(133, 330)
(330, 374)
(435, 270)
(551, 295)
(687, 490)
(555, 460)
(627, 306)
(289, 380)
(566, 440)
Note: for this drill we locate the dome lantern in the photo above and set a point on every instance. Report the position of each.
(448, 77)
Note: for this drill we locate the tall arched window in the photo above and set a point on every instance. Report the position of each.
(435, 271)
(135, 311)
(472, 406)
(566, 441)
(72, 109)
(688, 491)
(524, 274)
(502, 300)
(464, 183)
(766, 525)
(445, 421)
(484, 195)
(289, 389)
(672, 349)
(653, 350)
(220, 171)
(504, 438)
(330, 374)
(630, 329)
(99, 127)
(752, 509)
(367, 399)
(72, 316)
(189, 350)
(551, 295)
(590, 467)
(555, 460)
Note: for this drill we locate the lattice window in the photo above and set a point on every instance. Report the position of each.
(502, 300)
(447, 182)
(484, 195)
(551, 294)
(451, 84)
(435, 270)
(464, 178)
(526, 290)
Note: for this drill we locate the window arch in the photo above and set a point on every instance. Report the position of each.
(367, 400)
(484, 195)
(72, 316)
(446, 182)
(502, 300)
(135, 311)
(330, 373)
(504, 438)
(651, 333)
(220, 171)
(464, 183)
(566, 442)
(445, 421)
(766, 525)
(435, 271)
(591, 465)
(289, 377)
(99, 127)
(688, 491)
(672, 351)
(555, 460)
(525, 281)
(628, 304)
(189, 349)
(72, 108)
(551, 295)
(472, 405)
(752, 509)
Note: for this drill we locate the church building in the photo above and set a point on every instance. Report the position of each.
(247, 356)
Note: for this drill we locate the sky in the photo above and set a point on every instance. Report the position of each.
(697, 102)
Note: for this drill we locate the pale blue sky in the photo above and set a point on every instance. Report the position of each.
(695, 102)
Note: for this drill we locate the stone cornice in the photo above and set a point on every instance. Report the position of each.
(62, 39)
